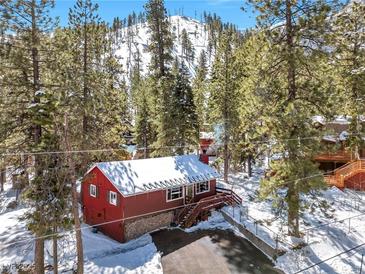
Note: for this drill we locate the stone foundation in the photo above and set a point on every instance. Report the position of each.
(137, 227)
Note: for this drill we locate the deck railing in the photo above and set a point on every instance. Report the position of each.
(237, 198)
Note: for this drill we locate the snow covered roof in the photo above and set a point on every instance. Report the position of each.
(206, 135)
(338, 119)
(136, 176)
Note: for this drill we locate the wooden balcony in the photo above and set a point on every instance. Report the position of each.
(191, 212)
(340, 156)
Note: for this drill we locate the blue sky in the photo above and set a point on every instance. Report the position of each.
(228, 10)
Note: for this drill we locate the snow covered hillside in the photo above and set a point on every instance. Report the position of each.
(133, 45)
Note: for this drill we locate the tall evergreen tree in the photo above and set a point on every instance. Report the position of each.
(200, 89)
(187, 48)
(223, 99)
(160, 47)
(293, 89)
(144, 133)
(161, 41)
(86, 31)
(30, 23)
(348, 59)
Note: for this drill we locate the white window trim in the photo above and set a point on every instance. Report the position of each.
(182, 196)
(92, 186)
(110, 198)
(205, 191)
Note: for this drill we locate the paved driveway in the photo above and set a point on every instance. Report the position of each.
(209, 251)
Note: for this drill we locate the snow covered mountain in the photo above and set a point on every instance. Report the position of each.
(134, 41)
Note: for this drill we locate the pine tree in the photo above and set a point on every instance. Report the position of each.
(86, 31)
(292, 91)
(184, 110)
(160, 47)
(26, 54)
(188, 51)
(144, 133)
(200, 89)
(348, 59)
(161, 41)
(223, 99)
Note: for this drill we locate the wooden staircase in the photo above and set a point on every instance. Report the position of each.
(345, 172)
(192, 211)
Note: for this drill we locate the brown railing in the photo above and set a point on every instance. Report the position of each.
(335, 156)
(191, 212)
(341, 173)
(206, 204)
(236, 198)
(185, 210)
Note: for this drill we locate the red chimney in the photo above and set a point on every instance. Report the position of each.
(203, 156)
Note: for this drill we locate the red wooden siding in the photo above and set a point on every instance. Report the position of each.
(98, 209)
(155, 201)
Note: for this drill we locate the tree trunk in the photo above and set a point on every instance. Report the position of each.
(75, 209)
(37, 134)
(85, 126)
(290, 49)
(249, 165)
(55, 251)
(293, 210)
(226, 160)
(39, 255)
(2, 179)
(293, 195)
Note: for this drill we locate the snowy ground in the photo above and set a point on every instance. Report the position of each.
(325, 225)
(102, 254)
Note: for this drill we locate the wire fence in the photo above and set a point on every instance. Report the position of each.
(343, 226)
(351, 259)
(348, 261)
(274, 239)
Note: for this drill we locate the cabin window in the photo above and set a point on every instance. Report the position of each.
(92, 190)
(112, 198)
(174, 193)
(202, 187)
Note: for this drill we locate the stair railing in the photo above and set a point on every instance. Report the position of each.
(184, 210)
(341, 173)
(211, 202)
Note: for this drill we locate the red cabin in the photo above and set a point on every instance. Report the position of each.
(126, 199)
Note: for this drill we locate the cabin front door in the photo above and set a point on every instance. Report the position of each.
(189, 193)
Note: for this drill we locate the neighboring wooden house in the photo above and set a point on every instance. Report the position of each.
(340, 165)
(126, 199)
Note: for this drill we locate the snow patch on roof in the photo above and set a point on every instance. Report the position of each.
(206, 135)
(136, 176)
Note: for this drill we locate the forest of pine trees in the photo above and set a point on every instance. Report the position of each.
(63, 88)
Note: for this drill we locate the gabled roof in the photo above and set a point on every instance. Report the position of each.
(136, 176)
